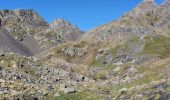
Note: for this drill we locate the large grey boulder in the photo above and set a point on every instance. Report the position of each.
(67, 90)
(2, 52)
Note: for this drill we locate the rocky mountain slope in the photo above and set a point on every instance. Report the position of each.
(126, 59)
(29, 30)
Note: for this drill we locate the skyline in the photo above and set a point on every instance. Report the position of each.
(86, 14)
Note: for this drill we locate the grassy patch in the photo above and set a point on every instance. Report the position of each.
(101, 75)
(29, 71)
(149, 75)
(77, 96)
(96, 63)
(80, 44)
(157, 45)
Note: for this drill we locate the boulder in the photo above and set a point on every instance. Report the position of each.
(161, 86)
(56, 95)
(131, 70)
(2, 81)
(67, 90)
(116, 69)
(14, 64)
(2, 52)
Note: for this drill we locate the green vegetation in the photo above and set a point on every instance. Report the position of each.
(77, 96)
(19, 62)
(115, 50)
(134, 39)
(101, 75)
(17, 34)
(149, 75)
(150, 17)
(80, 44)
(97, 63)
(157, 45)
(28, 70)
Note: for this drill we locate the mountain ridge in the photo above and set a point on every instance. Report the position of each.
(22, 24)
(126, 59)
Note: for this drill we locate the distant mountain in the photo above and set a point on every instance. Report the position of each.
(69, 31)
(15, 27)
(33, 32)
(147, 17)
(126, 59)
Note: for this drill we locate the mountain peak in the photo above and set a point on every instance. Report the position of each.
(61, 23)
(146, 1)
(19, 12)
(23, 15)
(144, 6)
(24, 11)
(166, 2)
(147, 4)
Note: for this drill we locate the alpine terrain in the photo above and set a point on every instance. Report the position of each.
(126, 59)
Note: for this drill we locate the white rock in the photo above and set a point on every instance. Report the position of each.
(119, 63)
(123, 90)
(56, 95)
(2, 52)
(2, 81)
(68, 90)
(116, 69)
(13, 64)
(132, 70)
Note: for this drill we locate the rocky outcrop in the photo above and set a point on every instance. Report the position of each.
(15, 31)
(124, 59)
(69, 31)
(33, 32)
(28, 17)
(61, 23)
(145, 6)
(19, 22)
(26, 47)
(24, 76)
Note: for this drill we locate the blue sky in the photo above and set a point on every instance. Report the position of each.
(86, 14)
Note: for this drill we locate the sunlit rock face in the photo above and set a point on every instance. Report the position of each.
(128, 58)
(16, 29)
(144, 6)
(65, 29)
(31, 31)
(62, 23)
